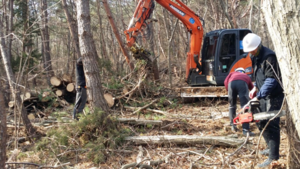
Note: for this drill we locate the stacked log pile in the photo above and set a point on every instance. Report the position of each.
(34, 101)
(64, 88)
(61, 94)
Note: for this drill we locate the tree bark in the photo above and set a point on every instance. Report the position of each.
(3, 129)
(10, 27)
(153, 58)
(232, 25)
(293, 145)
(283, 22)
(89, 54)
(46, 41)
(102, 41)
(72, 27)
(116, 32)
(186, 139)
(13, 86)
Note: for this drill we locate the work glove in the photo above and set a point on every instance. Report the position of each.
(252, 93)
(253, 99)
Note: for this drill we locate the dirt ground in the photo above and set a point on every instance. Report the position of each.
(203, 117)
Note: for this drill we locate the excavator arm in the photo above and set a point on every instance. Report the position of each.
(192, 22)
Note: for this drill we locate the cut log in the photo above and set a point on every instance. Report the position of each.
(27, 95)
(186, 139)
(11, 104)
(109, 99)
(60, 92)
(67, 78)
(55, 81)
(70, 87)
(31, 116)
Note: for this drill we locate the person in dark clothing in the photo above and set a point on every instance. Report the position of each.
(238, 83)
(81, 95)
(267, 76)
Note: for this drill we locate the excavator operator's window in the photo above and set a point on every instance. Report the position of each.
(209, 48)
(228, 51)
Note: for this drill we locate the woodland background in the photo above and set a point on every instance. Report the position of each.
(39, 40)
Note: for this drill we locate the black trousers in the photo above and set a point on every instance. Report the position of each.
(272, 132)
(81, 97)
(237, 88)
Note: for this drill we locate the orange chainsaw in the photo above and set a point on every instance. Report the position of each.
(250, 113)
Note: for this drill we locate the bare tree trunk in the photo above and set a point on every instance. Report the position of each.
(3, 128)
(169, 57)
(73, 28)
(232, 25)
(215, 14)
(89, 54)
(102, 41)
(10, 27)
(13, 86)
(45, 41)
(154, 60)
(116, 32)
(293, 146)
(250, 15)
(283, 22)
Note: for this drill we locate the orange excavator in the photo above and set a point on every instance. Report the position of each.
(222, 50)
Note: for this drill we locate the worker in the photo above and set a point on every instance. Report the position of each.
(267, 76)
(81, 95)
(238, 83)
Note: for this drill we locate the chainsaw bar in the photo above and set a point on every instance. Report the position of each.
(267, 115)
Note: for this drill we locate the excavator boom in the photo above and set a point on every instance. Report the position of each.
(222, 50)
(183, 13)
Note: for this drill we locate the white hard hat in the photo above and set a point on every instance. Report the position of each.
(240, 69)
(250, 42)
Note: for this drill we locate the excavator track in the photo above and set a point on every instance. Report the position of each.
(207, 91)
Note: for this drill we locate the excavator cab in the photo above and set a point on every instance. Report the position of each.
(222, 53)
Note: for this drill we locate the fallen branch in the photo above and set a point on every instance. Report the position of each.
(153, 110)
(186, 139)
(135, 88)
(148, 166)
(227, 159)
(144, 107)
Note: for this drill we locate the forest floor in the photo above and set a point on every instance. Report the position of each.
(202, 117)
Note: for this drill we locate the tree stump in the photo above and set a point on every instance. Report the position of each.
(109, 99)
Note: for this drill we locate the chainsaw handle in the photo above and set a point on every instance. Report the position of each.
(236, 120)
